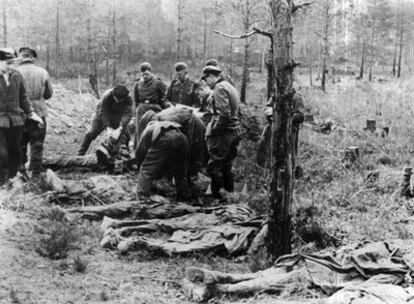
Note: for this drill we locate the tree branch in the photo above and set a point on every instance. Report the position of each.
(247, 35)
(300, 6)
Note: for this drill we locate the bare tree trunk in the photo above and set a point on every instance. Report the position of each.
(92, 67)
(114, 46)
(245, 75)
(57, 38)
(204, 32)
(394, 61)
(325, 40)
(361, 68)
(310, 74)
(401, 50)
(4, 23)
(179, 28)
(48, 56)
(281, 189)
(371, 62)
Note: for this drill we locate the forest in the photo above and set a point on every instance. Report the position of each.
(322, 214)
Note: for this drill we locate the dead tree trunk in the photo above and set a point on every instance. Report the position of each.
(57, 38)
(325, 40)
(245, 75)
(279, 237)
(4, 23)
(92, 66)
(394, 61)
(179, 28)
(114, 46)
(361, 68)
(401, 50)
(204, 32)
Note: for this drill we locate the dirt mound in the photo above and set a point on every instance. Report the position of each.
(69, 117)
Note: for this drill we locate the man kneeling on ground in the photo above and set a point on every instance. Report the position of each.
(162, 151)
(114, 111)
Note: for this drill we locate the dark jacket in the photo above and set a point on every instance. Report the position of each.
(182, 93)
(152, 90)
(112, 113)
(193, 128)
(13, 101)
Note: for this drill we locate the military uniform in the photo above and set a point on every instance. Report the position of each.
(162, 151)
(194, 129)
(223, 136)
(148, 95)
(109, 113)
(182, 93)
(39, 89)
(13, 105)
(263, 151)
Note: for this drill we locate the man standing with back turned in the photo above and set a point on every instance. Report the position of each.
(39, 89)
(14, 104)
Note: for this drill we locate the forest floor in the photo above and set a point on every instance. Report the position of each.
(347, 206)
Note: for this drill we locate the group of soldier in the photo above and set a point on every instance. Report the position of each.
(176, 131)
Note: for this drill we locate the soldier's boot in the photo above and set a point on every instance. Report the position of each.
(183, 190)
(228, 182)
(216, 185)
(36, 158)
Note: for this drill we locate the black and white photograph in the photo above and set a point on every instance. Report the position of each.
(206, 151)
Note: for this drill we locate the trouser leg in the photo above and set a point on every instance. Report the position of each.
(14, 136)
(4, 156)
(25, 141)
(228, 177)
(180, 151)
(96, 129)
(37, 139)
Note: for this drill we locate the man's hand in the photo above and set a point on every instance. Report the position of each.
(33, 116)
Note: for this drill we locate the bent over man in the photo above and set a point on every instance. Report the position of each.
(223, 132)
(162, 152)
(39, 89)
(14, 104)
(114, 111)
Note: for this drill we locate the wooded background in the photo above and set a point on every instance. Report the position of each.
(102, 38)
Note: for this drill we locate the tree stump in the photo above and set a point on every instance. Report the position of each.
(372, 177)
(406, 190)
(385, 132)
(351, 157)
(371, 125)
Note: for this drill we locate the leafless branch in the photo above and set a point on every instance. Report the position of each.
(247, 35)
(300, 6)
(244, 36)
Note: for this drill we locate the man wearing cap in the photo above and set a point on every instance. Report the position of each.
(180, 90)
(214, 62)
(39, 89)
(114, 111)
(223, 132)
(14, 104)
(149, 93)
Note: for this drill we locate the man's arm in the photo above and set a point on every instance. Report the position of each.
(24, 101)
(142, 148)
(48, 87)
(161, 90)
(136, 94)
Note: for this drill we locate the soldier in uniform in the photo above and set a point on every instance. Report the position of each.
(263, 151)
(149, 94)
(39, 89)
(14, 104)
(214, 62)
(115, 110)
(163, 150)
(223, 132)
(180, 90)
(192, 127)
